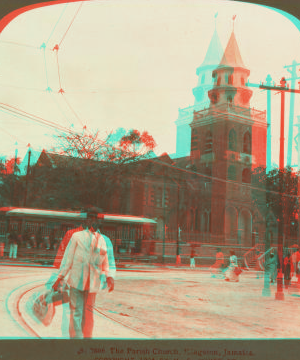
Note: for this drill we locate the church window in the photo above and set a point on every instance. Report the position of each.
(246, 176)
(231, 173)
(214, 97)
(243, 81)
(229, 99)
(230, 79)
(232, 140)
(194, 142)
(247, 143)
(203, 79)
(208, 143)
(226, 79)
(219, 81)
(158, 197)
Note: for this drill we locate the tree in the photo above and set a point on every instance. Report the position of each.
(269, 183)
(89, 170)
(11, 184)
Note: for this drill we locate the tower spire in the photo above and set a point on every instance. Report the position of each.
(233, 18)
(216, 15)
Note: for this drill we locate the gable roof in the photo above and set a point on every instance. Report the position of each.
(34, 157)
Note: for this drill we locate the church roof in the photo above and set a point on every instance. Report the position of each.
(232, 56)
(214, 52)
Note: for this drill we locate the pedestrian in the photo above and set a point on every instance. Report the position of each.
(84, 260)
(294, 261)
(271, 267)
(192, 258)
(232, 272)
(218, 267)
(13, 245)
(288, 269)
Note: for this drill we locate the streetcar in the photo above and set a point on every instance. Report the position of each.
(41, 231)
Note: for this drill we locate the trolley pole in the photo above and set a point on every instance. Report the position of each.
(14, 174)
(282, 89)
(27, 176)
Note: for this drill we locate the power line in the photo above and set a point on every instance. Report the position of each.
(71, 23)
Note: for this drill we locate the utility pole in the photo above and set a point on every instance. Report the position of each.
(292, 70)
(282, 89)
(27, 175)
(164, 215)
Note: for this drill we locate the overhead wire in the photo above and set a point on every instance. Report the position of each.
(71, 23)
(57, 22)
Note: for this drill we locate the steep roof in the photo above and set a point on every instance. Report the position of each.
(232, 56)
(214, 52)
(34, 156)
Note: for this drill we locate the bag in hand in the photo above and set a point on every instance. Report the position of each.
(43, 308)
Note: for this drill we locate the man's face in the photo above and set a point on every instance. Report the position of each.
(91, 221)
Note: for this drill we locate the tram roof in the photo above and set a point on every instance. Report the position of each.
(72, 215)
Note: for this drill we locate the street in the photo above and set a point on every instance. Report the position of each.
(151, 302)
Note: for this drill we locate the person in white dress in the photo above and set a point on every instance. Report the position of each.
(231, 272)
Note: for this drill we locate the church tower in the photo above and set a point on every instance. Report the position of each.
(200, 92)
(229, 140)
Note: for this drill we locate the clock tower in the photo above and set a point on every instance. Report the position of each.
(229, 140)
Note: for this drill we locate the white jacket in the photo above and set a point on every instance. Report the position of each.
(85, 258)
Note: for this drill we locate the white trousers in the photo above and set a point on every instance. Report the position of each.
(13, 251)
(192, 263)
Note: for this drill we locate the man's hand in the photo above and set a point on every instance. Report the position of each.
(110, 283)
(57, 283)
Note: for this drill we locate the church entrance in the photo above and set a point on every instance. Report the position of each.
(245, 228)
(231, 224)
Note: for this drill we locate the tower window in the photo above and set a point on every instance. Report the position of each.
(246, 176)
(219, 81)
(243, 81)
(230, 79)
(247, 143)
(232, 140)
(208, 143)
(203, 79)
(231, 173)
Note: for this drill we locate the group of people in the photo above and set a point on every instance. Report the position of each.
(15, 240)
(290, 266)
(229, 273)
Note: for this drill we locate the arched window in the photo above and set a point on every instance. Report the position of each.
(219, 81)
(232, 140)
(246, 176)
(231, 173)
(203, 79)
(230, 79)
(247, 143)
(226, 78)
(208, 143)
(229, 99)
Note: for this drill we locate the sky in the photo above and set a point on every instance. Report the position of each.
(129, 64)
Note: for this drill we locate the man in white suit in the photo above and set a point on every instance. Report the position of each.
(83, 263)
